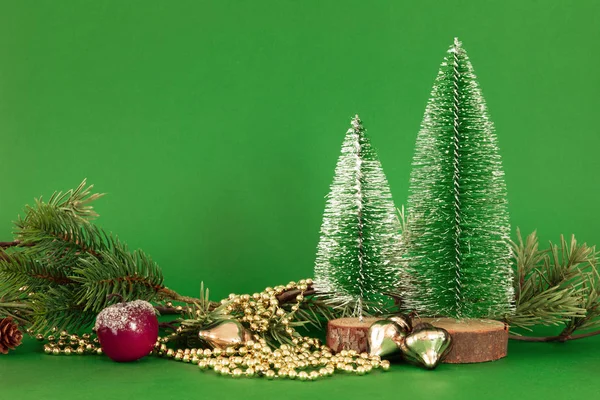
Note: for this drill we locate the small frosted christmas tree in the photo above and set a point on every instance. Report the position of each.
(354, 263)
(455, 245)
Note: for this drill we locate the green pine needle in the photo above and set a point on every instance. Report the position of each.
(555, 286)
(70, 266)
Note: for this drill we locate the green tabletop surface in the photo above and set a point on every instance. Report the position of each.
(214, 127)
(530, 371)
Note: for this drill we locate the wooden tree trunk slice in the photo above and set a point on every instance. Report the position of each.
(349, 334)
(473, 340)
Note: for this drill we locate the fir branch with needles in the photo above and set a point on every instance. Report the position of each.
(15, 303)
(69, 266)
(554, 287)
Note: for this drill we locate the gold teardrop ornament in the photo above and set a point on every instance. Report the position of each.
(426, 345)
(384, 337)
(224, 334)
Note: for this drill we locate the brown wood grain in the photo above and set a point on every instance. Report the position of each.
(473, 340)
(349, 334)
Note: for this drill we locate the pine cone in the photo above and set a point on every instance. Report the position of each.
(10, 335)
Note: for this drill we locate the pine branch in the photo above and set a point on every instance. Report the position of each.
(76, 201)
(132, 275)
(53, 233)
(590, 301)
(57, 308)
(291, 294)
(14, 243)
(15, 303)
(71, 265)
(558, 338)
(169, 294)
(20, 270)
(555, 286)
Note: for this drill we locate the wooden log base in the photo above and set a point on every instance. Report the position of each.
(473, 340)
(349, 334)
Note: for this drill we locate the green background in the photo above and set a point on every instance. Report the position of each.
(214, 128)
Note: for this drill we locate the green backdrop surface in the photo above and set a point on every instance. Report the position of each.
(214, 128)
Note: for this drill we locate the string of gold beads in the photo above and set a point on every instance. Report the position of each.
(65, 343)
(301, 362)
(261, 310)
(304, 359)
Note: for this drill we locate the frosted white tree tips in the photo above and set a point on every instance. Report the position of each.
(355, 256)
(456, 243)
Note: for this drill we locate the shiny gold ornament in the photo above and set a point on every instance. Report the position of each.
(402, 321)
(385, 337)
(224, 334)
(426, 345)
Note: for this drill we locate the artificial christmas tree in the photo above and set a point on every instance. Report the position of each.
(355, 258)
(455, 246)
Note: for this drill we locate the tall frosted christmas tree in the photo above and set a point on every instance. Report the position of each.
(354, 263)
(456, 252)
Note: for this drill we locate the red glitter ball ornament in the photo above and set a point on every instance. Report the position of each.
(127, 331)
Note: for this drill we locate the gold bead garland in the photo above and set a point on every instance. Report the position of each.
(307, 359)
(68, 344)
(304, 358)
